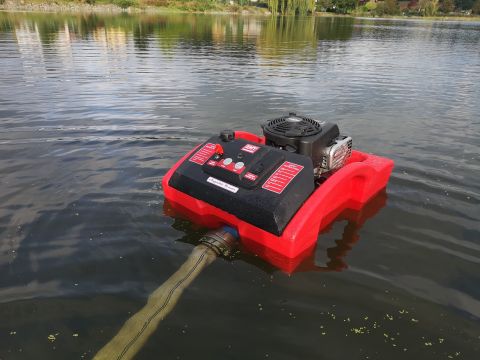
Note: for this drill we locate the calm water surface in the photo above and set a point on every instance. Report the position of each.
(95, 109)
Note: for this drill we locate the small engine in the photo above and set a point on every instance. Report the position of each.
(321, 141)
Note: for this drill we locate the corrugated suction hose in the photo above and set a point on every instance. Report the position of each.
(136, 330)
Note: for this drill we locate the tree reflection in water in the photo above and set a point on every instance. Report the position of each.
(268, 37)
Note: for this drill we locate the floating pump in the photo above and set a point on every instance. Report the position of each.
(278, 190)
(275, 192)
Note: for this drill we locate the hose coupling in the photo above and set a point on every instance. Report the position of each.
(223, 241)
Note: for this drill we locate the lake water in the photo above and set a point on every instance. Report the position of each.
(95, 109)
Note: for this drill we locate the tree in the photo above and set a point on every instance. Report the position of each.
(464, 4)
(371, 6)
(344, 6)
(476, 7)
(272, 6)
(291, 7)
(387, 7)
(325, 4)
(428, 7)
(390, 7)
(447, 6)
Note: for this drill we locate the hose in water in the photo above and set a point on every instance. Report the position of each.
(136, 330)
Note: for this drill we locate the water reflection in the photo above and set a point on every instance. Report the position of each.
(335, 257)
(30, 47)
(269, 260)
(276, 37)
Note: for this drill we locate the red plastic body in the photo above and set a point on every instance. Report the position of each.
(351, 187)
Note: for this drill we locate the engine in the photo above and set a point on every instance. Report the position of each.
(320, 141)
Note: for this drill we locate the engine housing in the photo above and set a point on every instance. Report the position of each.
(320, 141)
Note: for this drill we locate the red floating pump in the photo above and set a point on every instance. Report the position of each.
(280, 190)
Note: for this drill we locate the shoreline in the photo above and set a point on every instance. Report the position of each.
(422, 18)
(75, 8)
(47, 7)
(84, 8)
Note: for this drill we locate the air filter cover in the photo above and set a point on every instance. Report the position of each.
(300, 134)
(293, 126)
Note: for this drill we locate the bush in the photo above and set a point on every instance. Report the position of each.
(370, 6)
(412, 12)
(428, 7)
(387, 7)
(391, 7)
(234, 8)
(447, 6)
(124, 4)
(199, 5)
(163, 3)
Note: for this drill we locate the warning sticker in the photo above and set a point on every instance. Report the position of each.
(202, 155)
(250, 176)
(279, 180)
(252, 149)
(222, 184)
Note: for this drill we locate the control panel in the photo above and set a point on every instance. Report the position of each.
(241, 163)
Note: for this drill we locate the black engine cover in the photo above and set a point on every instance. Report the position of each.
(259, 184)
(302, 135)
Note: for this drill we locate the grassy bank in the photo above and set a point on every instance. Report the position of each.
(116, 6)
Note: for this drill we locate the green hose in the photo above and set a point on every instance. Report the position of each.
(136, 330)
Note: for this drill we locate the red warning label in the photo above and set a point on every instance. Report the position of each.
(250, 176)
(279, 180)
(252, 149)
(202, 155)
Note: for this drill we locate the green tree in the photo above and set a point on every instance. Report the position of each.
(370, 6)
(272, 6)
(291, 7)
(124, 4)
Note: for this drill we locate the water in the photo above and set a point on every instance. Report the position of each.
(95, 109)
